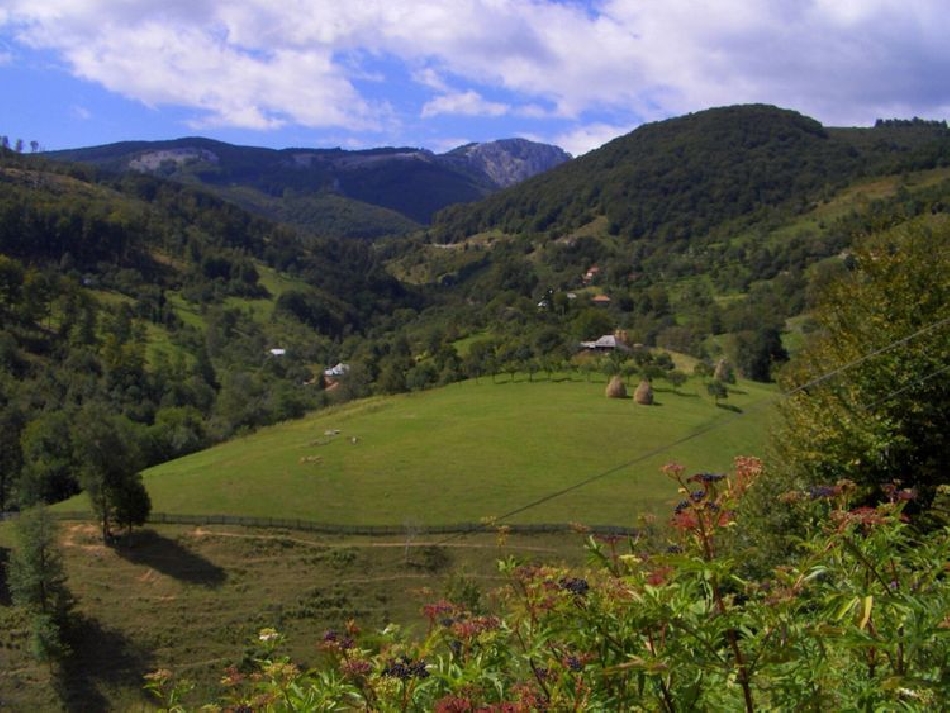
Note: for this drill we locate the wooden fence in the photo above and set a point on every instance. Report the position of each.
(464, 528)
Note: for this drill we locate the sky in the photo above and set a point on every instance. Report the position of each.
(436, 74)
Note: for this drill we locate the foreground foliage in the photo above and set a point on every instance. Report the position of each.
(858, 622)
(868, 395)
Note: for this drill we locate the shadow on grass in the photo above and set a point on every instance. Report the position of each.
(101, 660)
(5, 598)
(729, 407)
(170, 558)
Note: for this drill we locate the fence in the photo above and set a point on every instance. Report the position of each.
(464, 528)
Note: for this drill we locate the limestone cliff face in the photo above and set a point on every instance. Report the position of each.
(510, 161)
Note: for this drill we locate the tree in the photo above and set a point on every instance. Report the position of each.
(49, 472)
(131, 502)
(757, 351)
(718, 390)
(108, 458)
(869, 398)
(37, 580)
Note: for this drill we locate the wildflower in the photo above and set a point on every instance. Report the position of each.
(437, 609)
(674, 470)
(659, 576)
(454, 704)
(232, 676)
(159, 677)
(267, 635)
(356, 669)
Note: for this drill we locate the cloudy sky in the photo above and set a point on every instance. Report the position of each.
(439, 73)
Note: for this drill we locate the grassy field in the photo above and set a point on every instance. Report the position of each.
(193, 599)
(470, 451)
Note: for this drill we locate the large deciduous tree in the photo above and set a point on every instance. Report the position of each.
(870, 392)
(109, 461)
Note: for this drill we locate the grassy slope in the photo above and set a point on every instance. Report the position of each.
(465, 452)
(191, 599)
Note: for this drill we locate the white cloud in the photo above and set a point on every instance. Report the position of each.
(261, 64)
(6, 58)
(587, 138)
(469, 103)
(80, 112)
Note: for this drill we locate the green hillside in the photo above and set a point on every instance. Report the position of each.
(469, 451)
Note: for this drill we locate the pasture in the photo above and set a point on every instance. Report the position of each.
(470, 451)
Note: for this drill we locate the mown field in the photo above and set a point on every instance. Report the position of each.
(192, 598)
(470, 451)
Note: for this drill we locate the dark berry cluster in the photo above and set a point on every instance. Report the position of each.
(575, 585)
(573, 663)
(404, 669)
(681, 507)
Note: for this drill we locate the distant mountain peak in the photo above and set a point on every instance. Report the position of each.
(510, 161)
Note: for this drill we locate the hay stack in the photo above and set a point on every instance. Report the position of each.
(616, 389)
(644, 394)
(723, 371)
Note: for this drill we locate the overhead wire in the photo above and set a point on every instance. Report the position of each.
(723, 422)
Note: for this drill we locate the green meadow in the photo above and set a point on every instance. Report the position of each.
(191, 599)
(542, 451)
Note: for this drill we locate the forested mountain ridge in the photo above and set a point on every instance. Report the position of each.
(698, 233)
(332, 192)
(690, 176)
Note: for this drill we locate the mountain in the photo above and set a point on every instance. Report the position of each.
(689, 177)
(510, 161)
(333, 192)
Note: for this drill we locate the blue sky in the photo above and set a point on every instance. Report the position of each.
(437, 74)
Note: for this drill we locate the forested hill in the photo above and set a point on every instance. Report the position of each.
(694, 176)
(151, 308)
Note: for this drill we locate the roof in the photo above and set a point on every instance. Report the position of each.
(608, 341)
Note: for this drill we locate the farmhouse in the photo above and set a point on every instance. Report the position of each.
(335, 372)
(606, 343)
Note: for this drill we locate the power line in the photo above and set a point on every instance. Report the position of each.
(719, 424)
